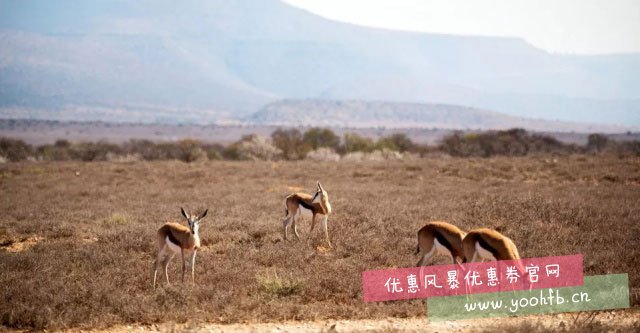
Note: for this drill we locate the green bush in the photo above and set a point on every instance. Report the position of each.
(53, 152)
(354, 142)
(396, 142)
(513, 142)
(232, 152)
(15, 150)
(213, 151)
(321, 137)
(277, 285)
(597, 143)
(190, 151)
(291, 143)
(94, 151)
(145, 148)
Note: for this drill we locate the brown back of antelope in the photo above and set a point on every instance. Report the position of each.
(178, 234)
(439, 237)
(499, 246)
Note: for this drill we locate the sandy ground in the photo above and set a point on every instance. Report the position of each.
(618, 320)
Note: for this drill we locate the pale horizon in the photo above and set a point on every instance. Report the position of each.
(578, 27)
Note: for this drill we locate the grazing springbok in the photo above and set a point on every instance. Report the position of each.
(440, 238)
(176, 238)
(487, 244)
(317, 204)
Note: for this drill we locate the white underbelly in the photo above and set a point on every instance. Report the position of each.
(304, 212)
(172, 246)
(484, 253)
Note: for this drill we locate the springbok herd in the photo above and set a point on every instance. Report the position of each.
(435, 238)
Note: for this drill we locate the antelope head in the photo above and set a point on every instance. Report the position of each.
(193, 220)
(322, 198)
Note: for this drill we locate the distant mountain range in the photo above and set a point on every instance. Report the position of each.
(224, 60)
(372, 114)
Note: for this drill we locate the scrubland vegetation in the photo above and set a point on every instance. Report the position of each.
(319, 144)
(77, 240)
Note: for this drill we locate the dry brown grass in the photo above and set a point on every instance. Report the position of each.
(95, 230)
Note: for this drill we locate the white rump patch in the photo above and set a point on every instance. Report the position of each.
(484, 253)
(173, 246)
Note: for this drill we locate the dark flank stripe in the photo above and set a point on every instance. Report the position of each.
(443, 240)
(306, 205)
(173, 239)
(488, 247)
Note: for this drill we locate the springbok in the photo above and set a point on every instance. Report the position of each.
(440, 238)
(487, 244)
(176, 238)
(318, 204)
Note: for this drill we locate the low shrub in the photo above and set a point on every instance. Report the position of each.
(15, 150)
(513, 142)
(321, 144)
(323, 155)
(274, 284)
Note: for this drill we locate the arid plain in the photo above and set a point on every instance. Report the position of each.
(78, 239)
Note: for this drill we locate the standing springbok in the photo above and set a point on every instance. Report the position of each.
(176, 238)
(487, 244)
(318, 204)
(440, 238)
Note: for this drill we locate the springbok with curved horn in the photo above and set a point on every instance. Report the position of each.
(440, 238)
(318, 204)
(176, 238)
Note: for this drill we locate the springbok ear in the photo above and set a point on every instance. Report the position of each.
(320, 186)
(203, 214)
(186, 216)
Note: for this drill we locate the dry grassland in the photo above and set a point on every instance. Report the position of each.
(78, 239)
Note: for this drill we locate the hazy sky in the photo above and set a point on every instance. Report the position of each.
(559, 26)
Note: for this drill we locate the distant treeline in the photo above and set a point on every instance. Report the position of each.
(315, 143)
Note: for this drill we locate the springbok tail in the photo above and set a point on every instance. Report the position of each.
(286, 208)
